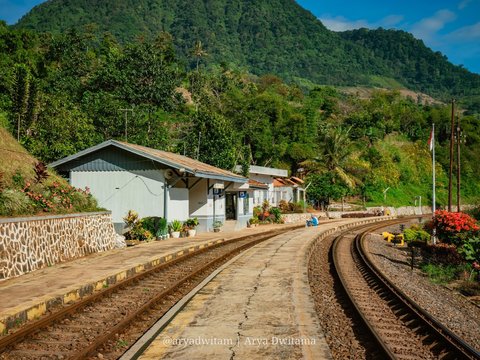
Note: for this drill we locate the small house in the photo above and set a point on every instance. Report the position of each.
(274, 185)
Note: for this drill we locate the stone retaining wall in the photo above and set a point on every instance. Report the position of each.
(300, 217)
(28, 244)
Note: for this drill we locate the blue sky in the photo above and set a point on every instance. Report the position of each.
(449, 26)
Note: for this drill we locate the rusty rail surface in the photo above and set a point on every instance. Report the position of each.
(439, 340)
(25, 332)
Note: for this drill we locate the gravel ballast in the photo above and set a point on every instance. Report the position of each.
(450, 307)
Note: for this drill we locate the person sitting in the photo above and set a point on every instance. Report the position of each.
(313, 221)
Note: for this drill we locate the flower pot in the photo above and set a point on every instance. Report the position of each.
(175, 234)
(216, 229)
(192, 233)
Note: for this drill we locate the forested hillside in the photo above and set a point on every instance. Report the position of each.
(61, 94)
(263, 37)
(420, 67)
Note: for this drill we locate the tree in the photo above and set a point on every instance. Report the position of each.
(336, 148)
(20, 95)
(212, 140)
(199, 52)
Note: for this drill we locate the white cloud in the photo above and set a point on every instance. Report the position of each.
(340, 23)
(466, 33)
(428, 27)
(463, 4)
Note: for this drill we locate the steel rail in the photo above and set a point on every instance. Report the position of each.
(449, 340)
(336, 264)
(29, 329)
(90, 350)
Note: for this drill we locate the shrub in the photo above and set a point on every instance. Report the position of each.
(17, 179)
(441, 274)
(442, 254)
(284, 206)
(257, 210)
(217, 224)
(156, 225)
(451, 227)
(265, 205)
(58, 198)
(297, 207)
(415, 233)
(135, 230)
(41, 173)
(277, 215)
(15, 202)
(470, 249)
(475, 212)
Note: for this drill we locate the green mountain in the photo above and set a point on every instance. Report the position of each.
(264, 36)
(418, 66)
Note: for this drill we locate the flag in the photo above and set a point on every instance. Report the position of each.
(431, 140)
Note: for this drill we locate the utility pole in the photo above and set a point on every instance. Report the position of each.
(452, 136)
(125, 111)
(199, 141)
(459, 140)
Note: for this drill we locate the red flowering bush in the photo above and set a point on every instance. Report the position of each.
(452, 227)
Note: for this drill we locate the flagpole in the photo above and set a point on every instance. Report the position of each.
(433, 182)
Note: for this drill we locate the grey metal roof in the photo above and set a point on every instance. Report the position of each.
(262, 170)
(175, 161)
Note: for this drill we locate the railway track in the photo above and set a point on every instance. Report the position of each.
(399, 327)
(106, 323)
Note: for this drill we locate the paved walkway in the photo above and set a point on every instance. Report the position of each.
(259, 307)
(29, 296)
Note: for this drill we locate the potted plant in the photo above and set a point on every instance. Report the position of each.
(190, 225)
(217, 225)
(134, 231)
(176, 227)
(253, 222)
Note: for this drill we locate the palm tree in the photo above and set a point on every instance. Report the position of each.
(336, 149)
(199, 52)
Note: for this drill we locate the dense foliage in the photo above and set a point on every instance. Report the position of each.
(265, 36)
(411, 62)
(451, 227)
(27, 187)
(61, 94)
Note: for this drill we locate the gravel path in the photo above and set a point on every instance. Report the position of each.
(450, 307)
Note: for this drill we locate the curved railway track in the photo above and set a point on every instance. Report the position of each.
(400, 328)
(97, 324)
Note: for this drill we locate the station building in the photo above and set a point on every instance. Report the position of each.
(124, 176)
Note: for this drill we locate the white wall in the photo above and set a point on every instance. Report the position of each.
(121, 191)
(177, 204)
(198, 202)
(266, 179)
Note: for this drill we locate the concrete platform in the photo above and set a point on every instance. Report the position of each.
(259, 307)
(29, 296)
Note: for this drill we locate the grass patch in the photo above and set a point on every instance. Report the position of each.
(385, 82)
(442, 274)
(21, 194)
